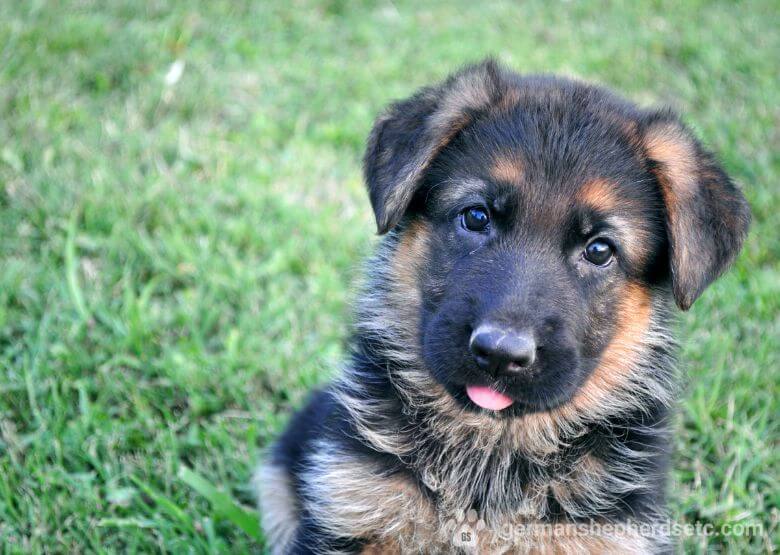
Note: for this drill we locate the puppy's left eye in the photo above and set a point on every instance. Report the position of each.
(475, 218)
(598, 252)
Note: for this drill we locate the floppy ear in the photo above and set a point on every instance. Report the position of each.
(409, 135)
(707, 215)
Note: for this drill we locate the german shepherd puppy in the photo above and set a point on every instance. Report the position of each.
(511, 370)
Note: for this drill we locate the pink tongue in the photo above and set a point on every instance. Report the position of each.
(488, 398)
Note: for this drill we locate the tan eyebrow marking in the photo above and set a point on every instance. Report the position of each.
(507, 167)
(453, 190)
(599, 194)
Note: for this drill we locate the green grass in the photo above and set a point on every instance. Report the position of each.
(177, 258)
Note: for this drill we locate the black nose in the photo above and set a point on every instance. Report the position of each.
(502, 351)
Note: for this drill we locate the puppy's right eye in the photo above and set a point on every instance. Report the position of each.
(475, 218)
(598, 252)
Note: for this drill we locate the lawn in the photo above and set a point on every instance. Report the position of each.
(182, 219)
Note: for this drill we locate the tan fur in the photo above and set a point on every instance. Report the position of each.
(615, 369)
(508, 167)
(278, 508)
(409, 257)
(356, 498)
(599, 194)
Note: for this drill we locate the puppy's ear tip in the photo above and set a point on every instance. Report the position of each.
(383, 223)
(684, 304)
(686, 295)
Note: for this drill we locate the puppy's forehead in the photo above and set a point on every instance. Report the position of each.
(552, 157)
(556, 138)
(506, 165)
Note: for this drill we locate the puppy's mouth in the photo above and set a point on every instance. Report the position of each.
(488, 398)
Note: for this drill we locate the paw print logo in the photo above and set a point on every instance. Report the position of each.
(465, 529)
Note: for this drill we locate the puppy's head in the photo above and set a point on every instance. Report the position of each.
(540, 224)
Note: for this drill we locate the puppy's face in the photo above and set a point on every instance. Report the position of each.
(537, 259)
(546, 217)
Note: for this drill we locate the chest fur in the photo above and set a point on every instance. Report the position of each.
(356, 497)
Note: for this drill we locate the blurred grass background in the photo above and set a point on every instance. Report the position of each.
(182, 216)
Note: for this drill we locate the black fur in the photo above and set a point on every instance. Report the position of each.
(555, 163)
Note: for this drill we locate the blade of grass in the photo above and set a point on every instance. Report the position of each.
(223, 504)
(167, 506)
(71, 268)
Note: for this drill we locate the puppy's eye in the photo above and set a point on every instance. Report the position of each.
(598, 252)
(475, 218)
